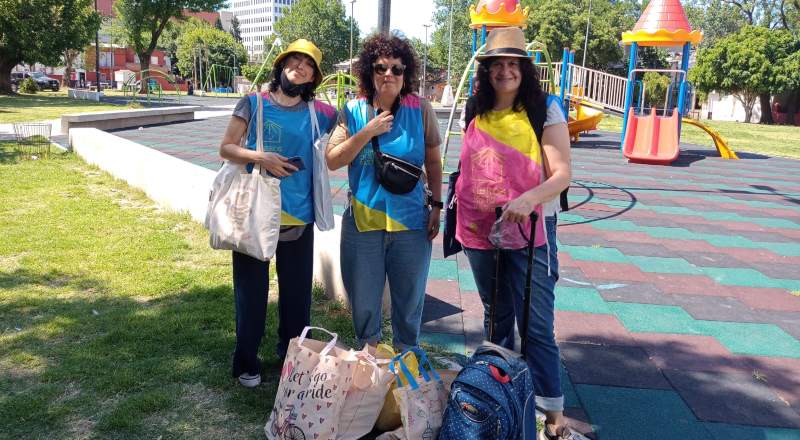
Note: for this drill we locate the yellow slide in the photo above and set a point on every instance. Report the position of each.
(725, 151)
(586, 119)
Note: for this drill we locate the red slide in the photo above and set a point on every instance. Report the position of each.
(651, 139)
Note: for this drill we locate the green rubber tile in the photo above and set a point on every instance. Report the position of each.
(665, 265)
(637, 414)
(443, 270)
(466, 281)
(570, 396)
(447, 341)
(579, 299)
(719, 240)
(722, 431)
(752, 339)
(650, 318)
(749, 278)
(590, 253)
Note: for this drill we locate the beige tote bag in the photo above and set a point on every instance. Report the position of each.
(244, 209)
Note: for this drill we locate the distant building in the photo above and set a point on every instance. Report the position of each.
(257, 20)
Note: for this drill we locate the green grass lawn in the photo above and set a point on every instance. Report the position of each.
(116, 318)
(45, 105)
(772, 140)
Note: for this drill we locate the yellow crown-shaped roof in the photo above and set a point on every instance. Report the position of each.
(498, 13)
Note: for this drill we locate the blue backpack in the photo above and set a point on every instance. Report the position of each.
(491, 398)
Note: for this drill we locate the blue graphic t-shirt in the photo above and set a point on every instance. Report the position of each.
(375, 208)
(287, 131)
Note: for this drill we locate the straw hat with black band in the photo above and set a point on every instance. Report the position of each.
(505, 42)
(304, 47)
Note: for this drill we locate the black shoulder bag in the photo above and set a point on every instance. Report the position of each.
(396, 175)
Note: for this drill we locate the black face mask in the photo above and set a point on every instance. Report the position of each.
(292, 90)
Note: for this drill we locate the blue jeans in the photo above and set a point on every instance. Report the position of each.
(368, 259)
(541, 353)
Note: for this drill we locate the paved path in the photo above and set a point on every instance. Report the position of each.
(678, 308)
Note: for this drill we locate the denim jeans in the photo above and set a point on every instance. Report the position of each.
(541, 353)
(295, 261)
(368, 259)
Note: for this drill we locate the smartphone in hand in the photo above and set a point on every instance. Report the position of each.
(297, 162)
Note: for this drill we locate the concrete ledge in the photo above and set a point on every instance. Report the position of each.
(178, 185)
(84, 94)
(114, 119)
(171, 182)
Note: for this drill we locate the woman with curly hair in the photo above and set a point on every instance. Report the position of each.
(508, 161)
(387, 135)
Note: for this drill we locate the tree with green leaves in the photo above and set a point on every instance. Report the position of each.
(461, 41)
(716, 18)
(42, 31)
(172, 34)
(748, 64)
(324, 22)
(211, 45)
(236, 32)
(145, 21)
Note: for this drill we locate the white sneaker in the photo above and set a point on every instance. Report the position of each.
(250, 380)
(566, 434)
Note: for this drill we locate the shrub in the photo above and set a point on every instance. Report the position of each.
(28, 85)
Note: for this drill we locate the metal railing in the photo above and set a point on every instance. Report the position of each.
(597, 87)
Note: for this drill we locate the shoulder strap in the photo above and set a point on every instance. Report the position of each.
(538, 116)
(315, 131)
(469, 111)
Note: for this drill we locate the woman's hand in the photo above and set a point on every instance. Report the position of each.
(276, 164)
(519, 209)
(380, 124)
(434, 220)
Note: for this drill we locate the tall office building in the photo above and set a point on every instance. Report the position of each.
(257, 20)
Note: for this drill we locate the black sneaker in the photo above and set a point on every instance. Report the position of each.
(566, 433)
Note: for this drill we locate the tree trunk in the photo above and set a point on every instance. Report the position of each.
(144, 66)
(791, 106)
(5, 76)
(766, 109)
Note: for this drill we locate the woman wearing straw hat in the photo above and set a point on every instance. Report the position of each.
(507, 164)
(288, 155)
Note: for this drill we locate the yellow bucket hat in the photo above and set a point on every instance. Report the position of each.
(306, 48)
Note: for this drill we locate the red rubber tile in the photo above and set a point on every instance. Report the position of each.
(613, 271)
(591, 328)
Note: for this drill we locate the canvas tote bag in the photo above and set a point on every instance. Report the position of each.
(323, 203)
(422, 400)
(314, 380)
(244, 209)
(365, 398)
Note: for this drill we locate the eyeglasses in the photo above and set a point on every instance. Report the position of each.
(397, 69)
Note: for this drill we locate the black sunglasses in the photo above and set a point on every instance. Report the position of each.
(397, 69)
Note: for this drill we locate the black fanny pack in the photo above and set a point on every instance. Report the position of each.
(393, 173)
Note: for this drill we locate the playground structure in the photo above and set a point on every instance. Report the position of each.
(220, 79)
(341, 85)
(649, 135)
(154, 90)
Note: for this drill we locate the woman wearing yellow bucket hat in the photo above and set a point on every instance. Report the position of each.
(288, 155)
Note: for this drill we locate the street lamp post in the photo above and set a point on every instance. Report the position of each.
(352, 19)
(425, 60)
(97, 53)
(384, 14)
(586, 38)
(450, 42)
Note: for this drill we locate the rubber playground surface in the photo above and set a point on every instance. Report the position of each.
(678, 307)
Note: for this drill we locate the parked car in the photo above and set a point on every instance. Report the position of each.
(42, 81)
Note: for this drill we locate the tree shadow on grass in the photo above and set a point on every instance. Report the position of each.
(723, 396)
(99, 366)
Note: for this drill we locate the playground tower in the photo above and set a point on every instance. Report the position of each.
(653, 138)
